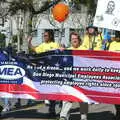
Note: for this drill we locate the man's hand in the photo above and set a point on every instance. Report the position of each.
(29, 39)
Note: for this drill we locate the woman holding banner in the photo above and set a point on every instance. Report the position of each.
(92, 41)
(75, 45)
(47, 45)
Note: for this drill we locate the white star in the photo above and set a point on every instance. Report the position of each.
(5, 52)
(49, 57)
(65, 59)
(57, 64)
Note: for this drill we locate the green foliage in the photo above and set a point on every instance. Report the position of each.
(89, 3)
(91, 6)
(26, 5)
(2, 40)
(14, 39)
(23, 5)
(2, 36)
(79, 1)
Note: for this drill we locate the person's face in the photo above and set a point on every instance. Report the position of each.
(117, 39)
(111, 6)
(75, 41)
(91, 30)
(46, 37)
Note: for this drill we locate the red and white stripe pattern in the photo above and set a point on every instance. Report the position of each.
(89, 92)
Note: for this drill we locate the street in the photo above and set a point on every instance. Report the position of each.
(40, 111)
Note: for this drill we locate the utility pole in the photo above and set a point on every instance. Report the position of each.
(18, 31)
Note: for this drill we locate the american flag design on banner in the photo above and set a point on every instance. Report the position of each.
(83, 76)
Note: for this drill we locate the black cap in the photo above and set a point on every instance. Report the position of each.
(117, 34)
(95, 28)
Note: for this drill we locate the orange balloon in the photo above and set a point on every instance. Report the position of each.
(60, 12)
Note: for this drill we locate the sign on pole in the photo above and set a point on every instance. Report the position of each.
(108, 14)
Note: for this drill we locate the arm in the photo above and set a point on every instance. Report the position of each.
(36, 49)
(86, 43)
(99, 42)
(30, 44)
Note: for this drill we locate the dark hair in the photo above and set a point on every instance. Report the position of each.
(51, 34)
(76, 34)
(95, 29)
(117, 34)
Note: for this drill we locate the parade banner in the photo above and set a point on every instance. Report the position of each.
(72, 75)
(107, 14)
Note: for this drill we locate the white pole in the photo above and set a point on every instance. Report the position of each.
(18, 35)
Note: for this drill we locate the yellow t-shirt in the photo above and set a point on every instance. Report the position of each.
(44, 47)
(114, 46)
(79, 48)
(88, 41)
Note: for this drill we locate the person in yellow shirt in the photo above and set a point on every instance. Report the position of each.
(76, 42)
(75, 45)
(115, 46)
(92, 39)
(47, 45)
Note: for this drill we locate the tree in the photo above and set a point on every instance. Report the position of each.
(29, 10)
(27, 6)
(2, 40)
(90, 4)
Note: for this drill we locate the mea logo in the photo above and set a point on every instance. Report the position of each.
(11, 72)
